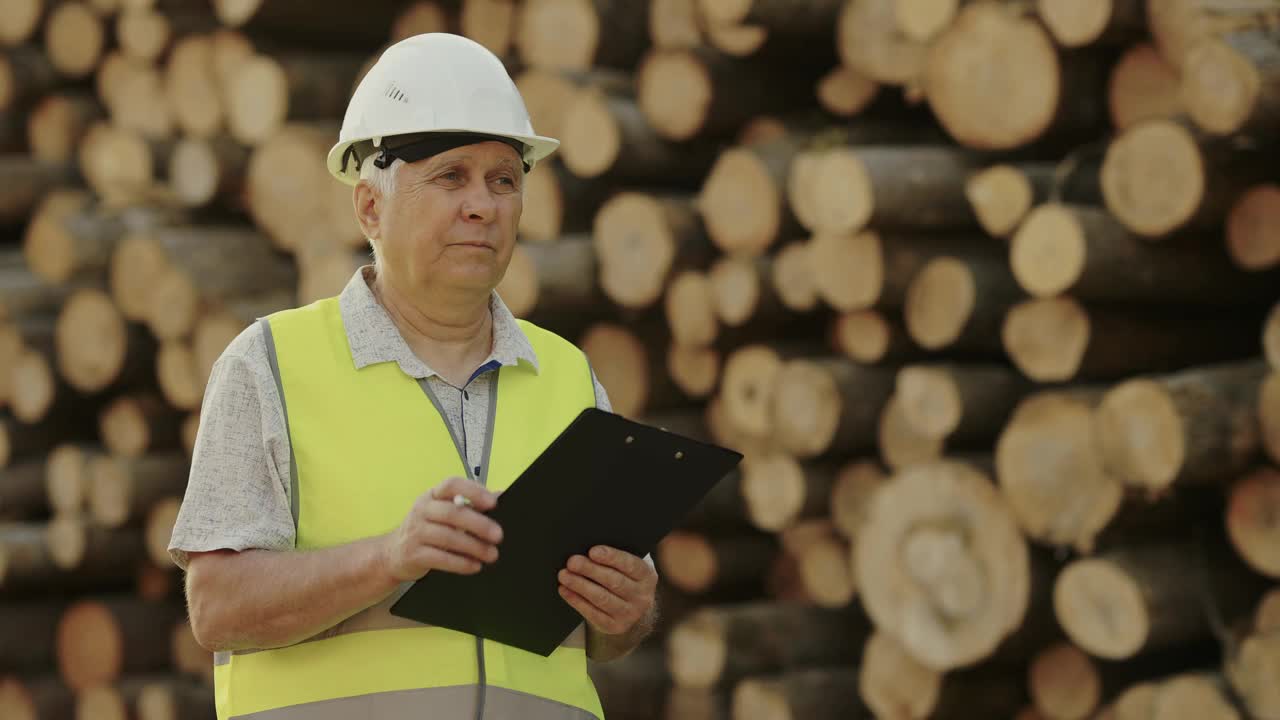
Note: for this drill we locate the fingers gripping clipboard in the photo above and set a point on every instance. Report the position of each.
(605, 480)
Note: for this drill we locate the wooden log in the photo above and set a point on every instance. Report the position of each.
(290, 194)
(116, 701)
(559, 203)
(966, 403)
(137, 104)
(101, 640)
(1160, 176)
(204, 170)
(701, 93)
(74, 37)
(132, 425)
(550, 281)
(192, 88)
(57, 124)
(1176, 26)
(827, 405)
(96, 349)
(160, 520)
(1271, 337)
(721, 512)
(189, 658)
(27, 634)
(422, 16)
(1267, 617)
(901, 445)
(122, 490)
(72, 243)
(742, 292)
(1251, 673)
(1059, 339)
(549, 92)
(1050, 468)
(792, 277)
(22, 494)
(689, 308)
(328, 23)
(148, 33)
(1064, 683)
(1194, 426)
(747, 388)
(743, 201)
(21, 21)
(67, 477)
(700, 564)
(959, 299)
(36, 698)
(26, 74)
(1269, 414)
(215, 331)
(779, 491)
(872, 337)
(1085, 252)
(36, 390)
(697, 704)
(693, 369)
(1001, 195)
(826, 575)
(893, 683)
(1081, 23)
(492, 23)
(208, 267)
(1229, 84)
(26, 181)
(177, 375)
(963, 582)
(635, 686)
(818, 693)
(845, 92)
(122, 165)
(869, 41)
(777, 17)
(674, 24)
(581, 35)
(1252, 241)
(717, 646)
(77, 545)
(989, 48)
(641, 240)
(606, 134)
(1143, 86)
(631, 370)
(1119, 603)
(267, 91)
(1250, 519)
(851, 496)
(20, 440)
(869, 268)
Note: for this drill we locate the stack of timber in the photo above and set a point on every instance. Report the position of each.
(987, 292)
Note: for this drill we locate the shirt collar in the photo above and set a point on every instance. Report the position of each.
(374, 338)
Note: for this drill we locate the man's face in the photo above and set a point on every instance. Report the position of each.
(453, 217)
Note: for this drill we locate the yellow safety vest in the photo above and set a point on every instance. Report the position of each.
(366, 444)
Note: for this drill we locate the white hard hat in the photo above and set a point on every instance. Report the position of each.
(438, 83)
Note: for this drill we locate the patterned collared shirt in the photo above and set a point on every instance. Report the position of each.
(237, 495)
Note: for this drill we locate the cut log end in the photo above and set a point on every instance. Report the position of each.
(688, 560)
(697, 653)
(675, 92)
(893, 683)
(176, 374)
(519, 286)
(736, 287)
(1047, 254)
(922, 20)
(852, 495)
(939, 302)
(1253, 229)
(74, 38)
(66, 479)
(160, 522)
(1269, 414)
(92, 341)
(806, 407)
(559, 35)
(792, 278)
(1101, 608)
(1064, 683)
(90, 646)
(901, 444)
(1141, 434)
(1153, 178)
(1001, 196)
(419, 18)
(827, 574)
(689, 306)
(1253, 520)
(20, 21)
(636, 247)
(1143, 86)
(1074, 23)
(1253, 674)
(547, 95)
(1047, 338)
(257, 99)
(490, 23)
(848, 270)
(930, 400)
(831, 191)
(34, 387)
(845, 92)
(1220, 87)
(621, 365)
(592, 139)
(1192, 697)
(774, 489)
(135, 264)
(67, 541)
(1267, 618)
(748, 389)
(695, 370)
(740, 203)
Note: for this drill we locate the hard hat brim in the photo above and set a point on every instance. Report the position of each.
(539, 147)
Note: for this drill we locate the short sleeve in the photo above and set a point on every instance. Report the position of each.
(602, 397)
(237, 494)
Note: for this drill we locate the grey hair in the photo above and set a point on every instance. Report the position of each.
(384, 181)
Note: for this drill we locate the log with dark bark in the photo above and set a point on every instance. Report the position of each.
(1177, 26)
(1269, 414)
(711, 565)
(1160, 176)
(27, 633)
(580, 35)
(266, 91)
(58, 123)
(717, 646)
(205, 170)
(901, 445)
(558, 203)
(845, 92)
(1252, 239)
(22, 492)
(703, 93)
(605, 135)
(1143, 86)
(941, 564)
(1253, 504)
(1251, 672)
(19, 440)
(635, 686)
(1077, 23)
(77, 544)
(1194, 426)
(1059, 339)
(870, 268)
(1230, 84)
(989, 48)
(33, 698)
(1001, 195)
(26, 181)
(328, 23)
(641, 240)
(828, 405)
(101, 640)
(872, 337)
(132, 425)
(96, 349)
(960, 299)
(632, 370)
(549, 282)
(817, 693)
(549, 92)
(74, 37)
(1050, 468)
(123, 490)
(1085, 252)
(722, 511)
(964, 403)
(743, 201)
(779, 491)
(869, 41)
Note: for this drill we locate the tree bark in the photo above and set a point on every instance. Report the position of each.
(326, 23)
(824, 406)
(1058, 339)
(961, 403)
(1050, 468)
(1077, 23)
(959, 299)
(722, 511)
(582, 35)
(27, 633)
(77, 545)
(22, 494)
(871, 269)
(1252, 239)
(642, 240)
(99, 641)
(58, 123)
(817, 693)
(710, 565)
(1143, 86)
(1194, 426)
(605, 135)
(941, 564)
(1253, 502)
(718, 646)
(1085, 252)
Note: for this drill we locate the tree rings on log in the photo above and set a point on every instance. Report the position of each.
(1143, 86)
(1253, 228)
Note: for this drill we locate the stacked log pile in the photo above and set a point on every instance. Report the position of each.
(987, 293)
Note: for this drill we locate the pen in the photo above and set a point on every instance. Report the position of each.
(461, 501)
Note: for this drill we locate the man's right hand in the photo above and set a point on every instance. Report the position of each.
(438, 534)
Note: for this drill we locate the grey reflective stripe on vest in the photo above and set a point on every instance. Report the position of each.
(457, 701)
(284, 410)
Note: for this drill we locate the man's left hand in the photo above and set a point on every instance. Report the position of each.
(611, 589)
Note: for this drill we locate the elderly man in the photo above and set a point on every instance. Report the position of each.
(336, 438)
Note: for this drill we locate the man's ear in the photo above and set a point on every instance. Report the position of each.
(368, 203)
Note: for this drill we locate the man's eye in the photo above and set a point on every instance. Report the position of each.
(452, 175)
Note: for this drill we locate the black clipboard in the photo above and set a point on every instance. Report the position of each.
(605, 480)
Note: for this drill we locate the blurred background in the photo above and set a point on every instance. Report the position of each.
(987, 293)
